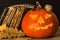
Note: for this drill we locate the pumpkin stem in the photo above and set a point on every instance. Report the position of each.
(38, 6)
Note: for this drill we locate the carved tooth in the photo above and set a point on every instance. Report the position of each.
(37, 28)
(50, 25)
(46, 27)
(42, 28)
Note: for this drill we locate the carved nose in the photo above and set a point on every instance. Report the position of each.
(40, 20)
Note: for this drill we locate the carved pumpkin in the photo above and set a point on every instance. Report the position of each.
(40, 23)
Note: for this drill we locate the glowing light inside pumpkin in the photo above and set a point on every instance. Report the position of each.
(40, 27)
(40, 20)
(33, 16)
(47, 16)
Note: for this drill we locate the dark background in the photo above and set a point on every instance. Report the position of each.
(54, 3)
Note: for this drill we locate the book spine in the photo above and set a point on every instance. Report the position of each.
(17, 17)
(9, 15)
(3, 15)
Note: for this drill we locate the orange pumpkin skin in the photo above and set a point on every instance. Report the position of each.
(39, 23)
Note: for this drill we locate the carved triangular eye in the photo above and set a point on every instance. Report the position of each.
(47, 16)
(33, 16)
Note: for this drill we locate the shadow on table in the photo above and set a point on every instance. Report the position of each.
(58, 33)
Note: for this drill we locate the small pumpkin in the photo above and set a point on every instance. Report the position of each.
(39, 23)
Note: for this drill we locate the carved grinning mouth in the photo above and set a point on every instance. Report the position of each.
(40, 20)
(36, 27)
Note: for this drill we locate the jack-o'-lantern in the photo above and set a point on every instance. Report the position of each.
(39, 23)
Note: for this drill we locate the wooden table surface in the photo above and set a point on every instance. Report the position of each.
(56, 37)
